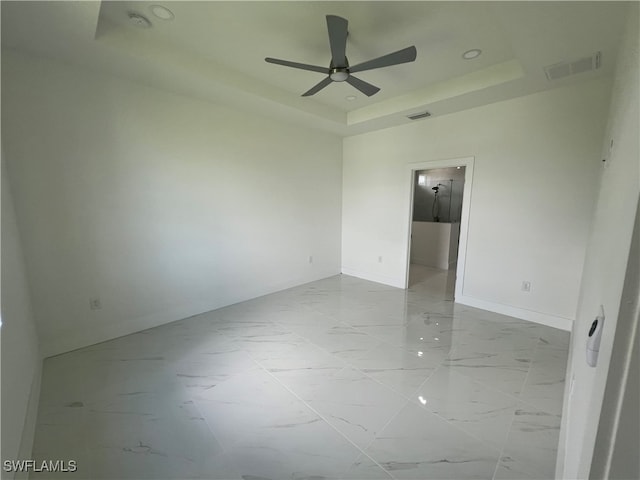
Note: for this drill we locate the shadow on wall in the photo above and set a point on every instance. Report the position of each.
(438, 195)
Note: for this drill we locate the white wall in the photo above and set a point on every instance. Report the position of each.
(431, 244)
(160, 205)
(625, 463)
(533, 192)
(21, 362)
(619, 424)
(606, 261)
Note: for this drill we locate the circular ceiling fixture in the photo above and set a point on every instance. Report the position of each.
(161, 12)
(351, 98)
(139, 21)
(339, 74)
(471, 54)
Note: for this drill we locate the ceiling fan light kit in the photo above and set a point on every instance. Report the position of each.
(339, 74)
(339, 69)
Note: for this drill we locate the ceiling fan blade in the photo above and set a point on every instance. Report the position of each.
(401, 56)
(317, 87)
(301, 66)
(337, 28)
(363, 86)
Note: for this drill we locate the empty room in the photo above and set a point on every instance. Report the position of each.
(320, 240)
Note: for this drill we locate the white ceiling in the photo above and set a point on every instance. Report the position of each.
(216, 50)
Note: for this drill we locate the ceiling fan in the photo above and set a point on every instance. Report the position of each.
(339, 69)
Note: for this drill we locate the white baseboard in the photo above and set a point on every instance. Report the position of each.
(542, 318)
(373, 277)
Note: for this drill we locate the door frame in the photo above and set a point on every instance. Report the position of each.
(412, 168)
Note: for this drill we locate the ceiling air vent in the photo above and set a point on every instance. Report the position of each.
(417, 116)
(564, 69)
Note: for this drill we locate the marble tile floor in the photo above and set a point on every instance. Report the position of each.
(336, 379)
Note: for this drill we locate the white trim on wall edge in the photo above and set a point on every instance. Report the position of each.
(66, 341)
(25, 449)
(373, 277)
(542, 318)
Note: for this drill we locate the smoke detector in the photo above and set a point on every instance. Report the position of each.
(564, 69)
(138, 20)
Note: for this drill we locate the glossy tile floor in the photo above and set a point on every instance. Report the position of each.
(337, 379)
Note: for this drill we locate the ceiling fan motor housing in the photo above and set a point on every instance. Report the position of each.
(339, 74)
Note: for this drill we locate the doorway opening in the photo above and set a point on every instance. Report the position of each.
(439, 212)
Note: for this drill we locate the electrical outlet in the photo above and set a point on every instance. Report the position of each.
(526, 286)
(310, 258)
(95, 304)
(380, 259)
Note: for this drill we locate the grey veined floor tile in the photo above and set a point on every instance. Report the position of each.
(530, 451)
(337, 379)
(482, 412)
(418, 444)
